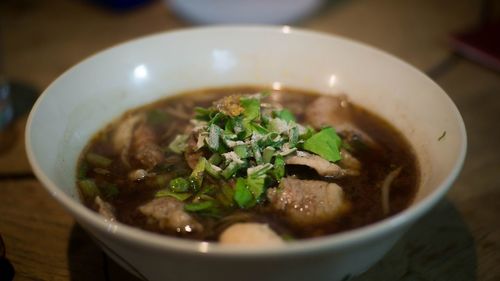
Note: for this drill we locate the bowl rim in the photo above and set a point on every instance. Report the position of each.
(160, 242)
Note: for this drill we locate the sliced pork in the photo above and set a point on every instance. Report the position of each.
(348, 161)
(335, 111)
(145, 148)
(168, 213)
(328, 111)
(323, 167)
(122, 136)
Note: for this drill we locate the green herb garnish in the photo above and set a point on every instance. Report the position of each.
(98, 160)
(242, 195)
(176, 195)
(179, 185)
(246, 146)
(325, 143)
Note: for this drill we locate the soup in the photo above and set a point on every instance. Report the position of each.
(248, 166)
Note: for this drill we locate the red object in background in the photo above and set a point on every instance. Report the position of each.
(481, 44)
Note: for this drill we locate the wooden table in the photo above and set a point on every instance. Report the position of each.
(458, 240)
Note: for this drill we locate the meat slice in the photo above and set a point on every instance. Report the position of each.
(168, 213)
(105, 209)
(250, 234)
(348, 161)
(308, 202)
(122, 136)
(328, 111)
(145, 147)
(324, 167)
(335, 111)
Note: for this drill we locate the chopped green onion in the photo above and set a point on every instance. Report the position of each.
(179, 185)
(325, 143)
(230, 170)
(200, 206)
(213, 170)
(256, 153)
(259, 170)
(215, 159)
(198, 172)
(241, 151)
(176, 195)
(203, 197)
(98, 160)
(179, 144)
(287, 151)
(267, 154)
(293, 136)
(82, 170)
(214, 136)
(89, 188)
(272, 139)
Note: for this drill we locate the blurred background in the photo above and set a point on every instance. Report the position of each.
(456, 42)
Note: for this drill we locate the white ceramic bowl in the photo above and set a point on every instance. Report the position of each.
(100, 88)
(244, 11)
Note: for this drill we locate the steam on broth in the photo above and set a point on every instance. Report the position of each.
(245, 165)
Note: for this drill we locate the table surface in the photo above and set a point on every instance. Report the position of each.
(457, 240)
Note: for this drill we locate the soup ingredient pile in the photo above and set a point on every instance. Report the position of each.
(247, 141)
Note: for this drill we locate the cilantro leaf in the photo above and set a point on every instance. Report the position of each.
(284, 114)
(256, 185)
(251, 107)
(242, 195)
(204, 114)
(326, 143)
(256, 179)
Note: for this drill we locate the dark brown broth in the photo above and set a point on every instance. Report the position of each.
(363, 191)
